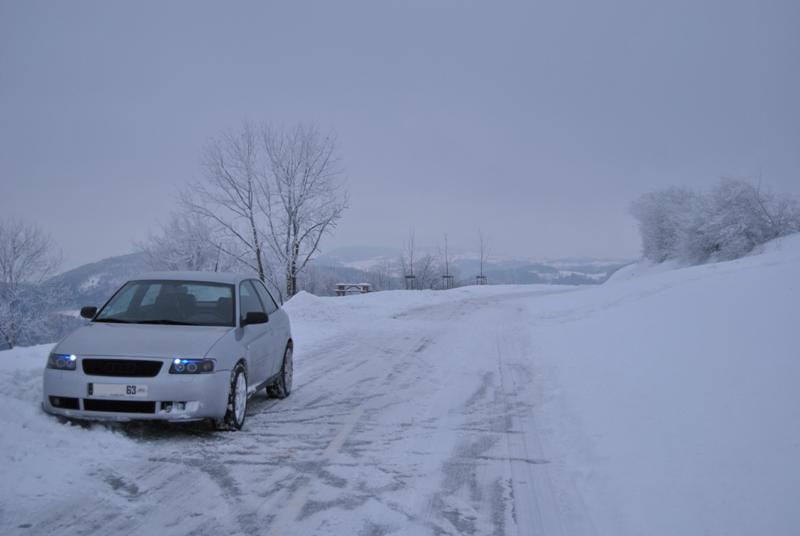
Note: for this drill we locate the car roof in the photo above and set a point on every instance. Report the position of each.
(206, 277)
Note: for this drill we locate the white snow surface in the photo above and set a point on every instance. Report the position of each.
(663, 403)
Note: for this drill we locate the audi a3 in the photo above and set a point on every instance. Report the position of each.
(175, 346)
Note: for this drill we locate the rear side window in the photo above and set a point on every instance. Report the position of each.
(266, 297)
(122, 301)
(207, 293)
(150, 295)
(249, 300)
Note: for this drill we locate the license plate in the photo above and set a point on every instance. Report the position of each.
(117, 390)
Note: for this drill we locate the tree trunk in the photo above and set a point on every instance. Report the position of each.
(291, 275)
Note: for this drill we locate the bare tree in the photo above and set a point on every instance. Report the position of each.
(407, 260)
(228, 195)
(427, 272)
(484, 255)
(303, 194)
(27, 258)
(384, 276)
(273, 193)
(448, 278)
(446, 257)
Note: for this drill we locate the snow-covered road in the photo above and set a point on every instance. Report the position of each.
(658, 404)
(416, 417)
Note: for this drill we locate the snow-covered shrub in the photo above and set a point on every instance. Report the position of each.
(664, 218)
(724, 223)
(27, 258)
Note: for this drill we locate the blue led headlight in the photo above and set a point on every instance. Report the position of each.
(191, 366)
(62, 361)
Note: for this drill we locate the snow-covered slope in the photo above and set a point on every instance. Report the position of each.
(673, 396)
(662, 404)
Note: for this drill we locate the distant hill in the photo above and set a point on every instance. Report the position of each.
(94, 283)
(362, 258)
(579, 271)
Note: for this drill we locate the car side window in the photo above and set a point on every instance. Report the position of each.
(150, 295)
(266, 297)
(249, 301)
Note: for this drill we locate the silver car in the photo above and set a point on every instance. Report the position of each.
(176, 346)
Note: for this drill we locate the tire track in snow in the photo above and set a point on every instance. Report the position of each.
(300, 486)
(560, 509)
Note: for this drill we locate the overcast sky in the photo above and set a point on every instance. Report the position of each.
(537, 122)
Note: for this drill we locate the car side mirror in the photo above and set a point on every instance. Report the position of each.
(255, 317)
(88, 312)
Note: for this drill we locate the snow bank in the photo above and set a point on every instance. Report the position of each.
(673, 398)
(644, 267)
(41, 458)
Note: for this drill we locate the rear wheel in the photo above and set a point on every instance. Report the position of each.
(237, 401)
(283, 385)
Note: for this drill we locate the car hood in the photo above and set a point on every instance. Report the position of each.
(141, 340)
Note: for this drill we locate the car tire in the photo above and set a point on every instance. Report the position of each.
(282, 387)
(236, 409)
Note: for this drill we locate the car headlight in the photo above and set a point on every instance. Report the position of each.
(191, 366)
(62, 361)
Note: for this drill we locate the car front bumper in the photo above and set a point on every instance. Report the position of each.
(170, 397)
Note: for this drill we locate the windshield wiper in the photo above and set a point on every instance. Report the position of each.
(166, 322)
(114, 320)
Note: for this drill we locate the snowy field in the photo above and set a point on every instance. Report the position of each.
(664, 402)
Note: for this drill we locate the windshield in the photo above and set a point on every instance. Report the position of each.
(188, 303)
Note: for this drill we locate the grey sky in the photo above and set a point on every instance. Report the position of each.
(537, 122)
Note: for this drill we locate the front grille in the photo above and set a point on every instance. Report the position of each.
(119, 406)
(129, 368)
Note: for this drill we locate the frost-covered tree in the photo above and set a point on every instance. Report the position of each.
(664, 217)
(428, 272)
(386, 275)
(274, 193)
(303, 194)
(724, 223)
(735, 217)
(227, 197)
(27, 258)
(189, 242)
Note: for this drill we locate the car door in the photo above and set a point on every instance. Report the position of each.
(278, 328)
(255, 337)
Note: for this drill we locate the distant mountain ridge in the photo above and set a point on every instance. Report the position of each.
(572, 271)
(94, 283)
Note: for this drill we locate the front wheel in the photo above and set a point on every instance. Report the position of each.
(283, 385)
(237, 401)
